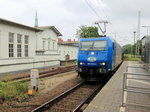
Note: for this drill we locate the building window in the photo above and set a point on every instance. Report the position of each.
(26, 40)
(11, 50)
(53, 45)
(48, 45)
(26, 46)
(19, 45)
(43, 45)
(11, 37)
(19, 50)
(26, 51)
(19, 38)
(11, 44)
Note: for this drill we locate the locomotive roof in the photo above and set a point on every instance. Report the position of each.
(98, 38)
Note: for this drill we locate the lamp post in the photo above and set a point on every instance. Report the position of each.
(149, 62)
(134, 44)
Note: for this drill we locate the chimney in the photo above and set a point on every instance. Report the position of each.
(60, 40)
(69, 40)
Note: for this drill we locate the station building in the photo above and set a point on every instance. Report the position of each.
(23, 47)
(146, 48)
(67, 50)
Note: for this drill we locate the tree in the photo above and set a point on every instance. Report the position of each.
(87, 31)
(130, 49)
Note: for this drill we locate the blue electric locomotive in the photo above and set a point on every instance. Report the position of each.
(98, 57)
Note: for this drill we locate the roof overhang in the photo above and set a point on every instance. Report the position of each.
(50, 27)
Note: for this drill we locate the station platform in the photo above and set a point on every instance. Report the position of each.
(109, 99)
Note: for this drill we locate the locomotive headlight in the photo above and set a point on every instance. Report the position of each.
(81, 63)
(92, 53)
(103, 63)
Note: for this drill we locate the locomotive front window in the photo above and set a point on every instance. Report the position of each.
(93, 45)
(99, 45)
(88, 45)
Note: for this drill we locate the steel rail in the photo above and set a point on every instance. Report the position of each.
(87, 100)
(56, 99)
(45, 74)
(46, 105)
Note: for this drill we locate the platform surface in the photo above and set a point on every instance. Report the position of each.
(109, 99)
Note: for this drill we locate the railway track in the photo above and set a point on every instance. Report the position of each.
(45, 73)
(71, 100)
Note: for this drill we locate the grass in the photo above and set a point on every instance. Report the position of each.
(130, 57)
(13, 90)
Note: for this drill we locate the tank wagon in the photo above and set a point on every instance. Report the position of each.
(98, 57)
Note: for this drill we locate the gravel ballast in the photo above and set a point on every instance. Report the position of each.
(49, 88)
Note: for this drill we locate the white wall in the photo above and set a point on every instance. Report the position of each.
(4, 50)
(9, 64)
(66, 49)
(47, 35)
(49, 57)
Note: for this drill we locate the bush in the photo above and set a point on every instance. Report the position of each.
(15, 90)
(129, 57)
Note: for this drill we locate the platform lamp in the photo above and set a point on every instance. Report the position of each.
(134, 44)
(149, 63)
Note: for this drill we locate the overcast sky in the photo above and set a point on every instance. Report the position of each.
(68, 15)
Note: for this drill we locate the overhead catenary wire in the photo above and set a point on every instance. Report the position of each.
(107, 18)
(92, 8)
(103, 11)
(96, 12)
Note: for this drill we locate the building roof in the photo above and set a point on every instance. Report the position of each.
(148, 36)
(75, 44)
(4, 21)
(49, 27)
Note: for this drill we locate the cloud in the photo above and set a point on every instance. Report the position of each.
(67, 15)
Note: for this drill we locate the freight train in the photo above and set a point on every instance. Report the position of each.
(98, 57)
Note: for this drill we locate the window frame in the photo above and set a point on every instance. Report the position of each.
(92, 46)
(11, 45)
(26, 46)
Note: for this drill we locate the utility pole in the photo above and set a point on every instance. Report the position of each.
(149, 62)
(138, 33)
(134, 44)
(131, 49)
(102, 30)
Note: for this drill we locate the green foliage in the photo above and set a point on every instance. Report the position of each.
(87, 31)
(130, 49)
(15, 90)
(130, 57)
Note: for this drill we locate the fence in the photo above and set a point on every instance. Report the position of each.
(134, 89)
